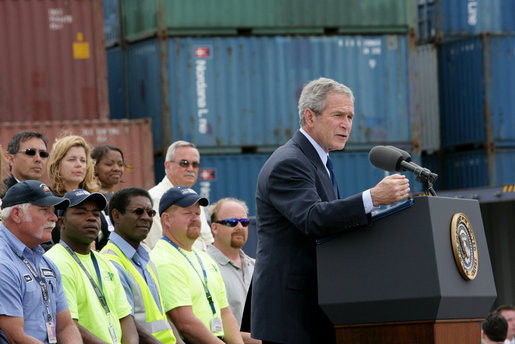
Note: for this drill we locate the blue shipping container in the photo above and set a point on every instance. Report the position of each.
(443, 20)
(477, 79)
(477, 168)
(116, 83)
(230, 92)
(235, 175)
(112, 32)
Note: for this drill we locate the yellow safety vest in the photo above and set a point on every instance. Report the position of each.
(146, 311)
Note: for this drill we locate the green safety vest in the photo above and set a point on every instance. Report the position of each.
(146, 312)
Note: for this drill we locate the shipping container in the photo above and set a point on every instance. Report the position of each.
(477, 79)
(477, 168)
(225, 93)
(426, 98)
(52, 60)
(116, 81)
(133, 137)
(143, 19)
(235, 175)
(112, 32)
(440, 20)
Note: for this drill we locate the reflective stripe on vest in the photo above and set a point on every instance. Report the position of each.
(146, 311)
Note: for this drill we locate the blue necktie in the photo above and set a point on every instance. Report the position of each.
(329, 165)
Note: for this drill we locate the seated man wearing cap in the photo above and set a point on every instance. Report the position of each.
(192, 286)
(92, 286)
(33, 306)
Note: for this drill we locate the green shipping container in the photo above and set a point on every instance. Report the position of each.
(143, 19)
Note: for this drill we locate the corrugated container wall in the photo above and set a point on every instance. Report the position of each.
(232, 92)
(443, 19)
(116, 81)
(426, 95)
(133, 137)
(142, 18)
(235, 175)
(112, 19)
(476, 168)
(52, 60)
(477, 79)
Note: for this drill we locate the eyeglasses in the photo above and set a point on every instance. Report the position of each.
(33, 151)
(234, 222)
(139, 211)
(185, 163)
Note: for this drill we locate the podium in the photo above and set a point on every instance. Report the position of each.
(397, 281)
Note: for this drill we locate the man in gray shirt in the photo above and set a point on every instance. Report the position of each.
(229, 224)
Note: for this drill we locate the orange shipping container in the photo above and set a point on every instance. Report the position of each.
(133, 137)
(52, 60)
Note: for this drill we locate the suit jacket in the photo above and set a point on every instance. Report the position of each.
(296, 205)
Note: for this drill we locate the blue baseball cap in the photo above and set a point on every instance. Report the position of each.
(78, 196)
(34, 192)
(182, 196)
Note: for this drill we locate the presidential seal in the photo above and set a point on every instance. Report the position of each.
(464, 246)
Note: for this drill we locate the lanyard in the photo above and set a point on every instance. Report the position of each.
(42, 284)
(204, 281)
(100, 296)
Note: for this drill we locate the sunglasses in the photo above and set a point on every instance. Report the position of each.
(185, 163)
(33, 151)
(139, 211)
(234, 222)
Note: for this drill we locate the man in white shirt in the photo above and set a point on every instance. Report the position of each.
(181, 165)
(508, 312)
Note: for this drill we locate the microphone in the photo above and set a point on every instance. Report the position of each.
(386, 158)
(393, 159)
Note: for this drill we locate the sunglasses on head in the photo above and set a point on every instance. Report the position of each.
(139, 211)
(234, 222)
(33, 151)
(185, 163)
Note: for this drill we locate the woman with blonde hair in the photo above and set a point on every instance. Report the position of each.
(71, 167)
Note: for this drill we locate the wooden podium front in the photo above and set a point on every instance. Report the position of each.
(414, 332)
(398, 281)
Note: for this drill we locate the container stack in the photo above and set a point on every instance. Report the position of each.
(475, 44)
(53, 78)
(227, 75)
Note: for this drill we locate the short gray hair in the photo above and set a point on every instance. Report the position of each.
(170, 153)
(6, 212)
(314, 96)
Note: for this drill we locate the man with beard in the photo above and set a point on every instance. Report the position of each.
(131, 213)
(33, 306)
(91, 283)
(229, 224)
(182, 164)
(193, 288)
(27, 155)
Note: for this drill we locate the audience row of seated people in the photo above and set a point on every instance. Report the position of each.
(98, 274)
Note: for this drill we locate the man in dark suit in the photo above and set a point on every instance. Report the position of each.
(27, 154)
(297, 202)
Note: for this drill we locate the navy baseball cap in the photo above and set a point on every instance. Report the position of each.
(182, 196)
(78, 196)
(34, 192)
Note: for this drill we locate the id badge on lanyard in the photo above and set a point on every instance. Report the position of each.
(112, 332)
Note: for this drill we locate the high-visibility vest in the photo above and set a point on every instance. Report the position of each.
(146, 312)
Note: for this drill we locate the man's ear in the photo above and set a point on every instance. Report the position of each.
(116, 215)
(309, 116)
(60, 222)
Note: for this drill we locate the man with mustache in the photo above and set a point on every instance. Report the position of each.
(181, 166)
(91, 283)
(229, 224)
(131, 213)
(27, 154)
(33, 306)
(192, 286)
